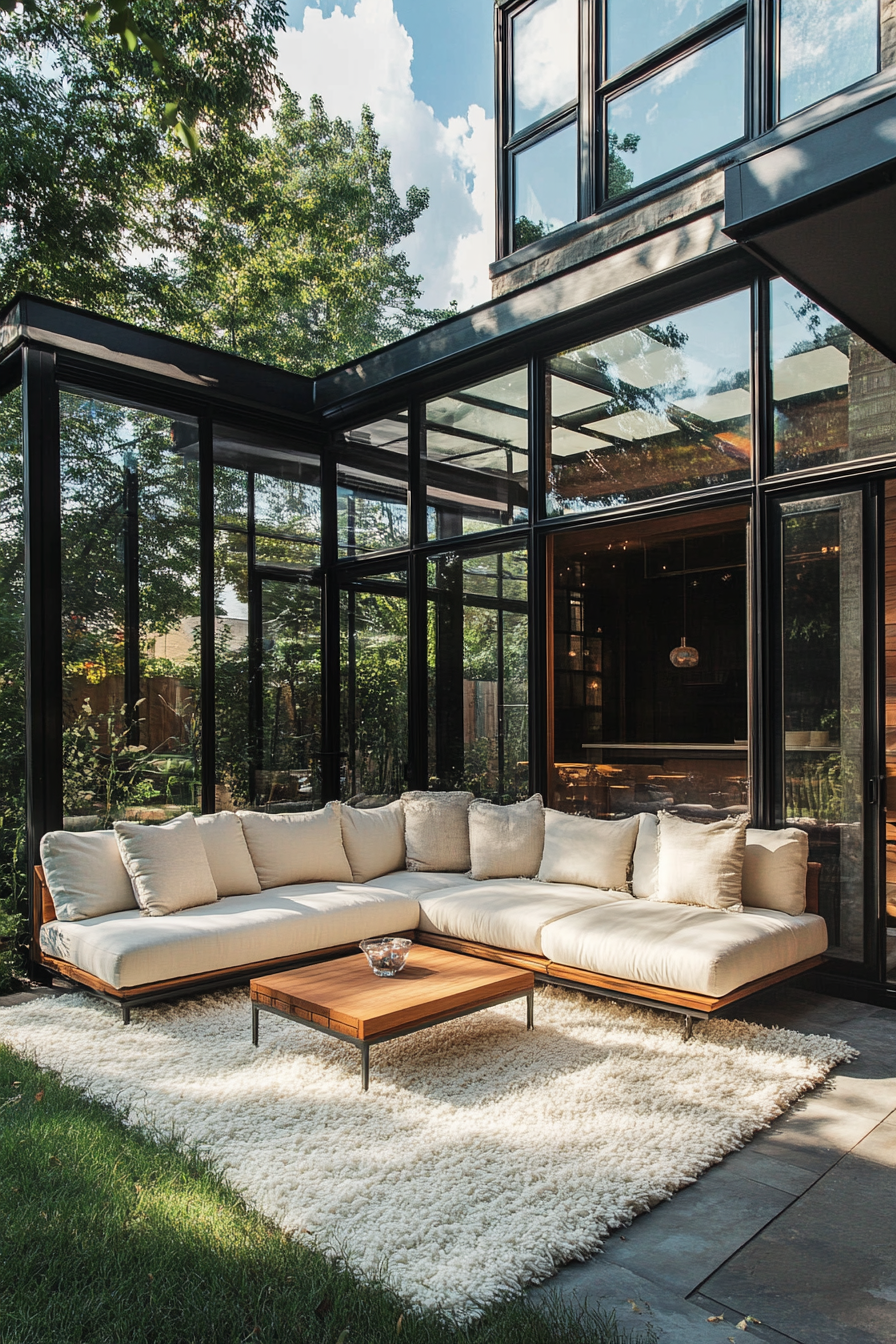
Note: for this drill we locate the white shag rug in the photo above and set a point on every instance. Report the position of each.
(483, 1157)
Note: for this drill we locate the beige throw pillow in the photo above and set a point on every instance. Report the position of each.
(85, 874)
(775, 869)
(167, 865)
(291, 847)
(374, 839)
(644, 859)
(228, 854)
(587, 851)
(436, 831)
(701, 863)
(506, 841)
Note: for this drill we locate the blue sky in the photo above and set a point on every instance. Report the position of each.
(426, 70)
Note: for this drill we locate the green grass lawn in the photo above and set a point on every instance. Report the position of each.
(108, 1234)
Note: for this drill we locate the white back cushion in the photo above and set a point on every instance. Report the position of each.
(645, 857)
(506, 841)
(85, 874)
(701, 863)
(775, 869)
(587, 851)
(290, 847)
(167, 865)
(374, 839)
(437, 831)
(228, 854)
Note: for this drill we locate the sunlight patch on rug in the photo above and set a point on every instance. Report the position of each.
(483, 1157)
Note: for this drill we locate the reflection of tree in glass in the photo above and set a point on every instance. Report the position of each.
(526, 230)
(620, 177)
(809, 315)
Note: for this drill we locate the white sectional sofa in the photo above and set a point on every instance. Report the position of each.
(621, 928)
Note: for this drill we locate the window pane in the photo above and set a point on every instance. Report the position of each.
(13, 870)
(372, 486)
(287, 773)
(821, 746)
(374, 650)
(478, 675)
(835, 396)
(545, 59)
(681, 114)
(663, 408)
(477, 462)
(632, 732)
(130, 567)
(826, 45)
(233, 753)
(636, 27)
(545, 186)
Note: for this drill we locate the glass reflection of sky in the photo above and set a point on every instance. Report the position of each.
(546, 181)
(826, 45)
(684, 111)
(637, 27)
(545, 59)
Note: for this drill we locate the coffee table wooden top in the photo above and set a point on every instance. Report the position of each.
(344, 996)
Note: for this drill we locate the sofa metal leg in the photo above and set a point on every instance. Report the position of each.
(125, 1015)
(688, 1026)
(530, 1011)
(254, 1023)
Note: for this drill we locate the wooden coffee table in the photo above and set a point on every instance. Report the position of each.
(343, 998)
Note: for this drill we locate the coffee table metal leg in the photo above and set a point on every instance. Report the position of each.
(530, 1010)
(365, 1066)
(254, 1023)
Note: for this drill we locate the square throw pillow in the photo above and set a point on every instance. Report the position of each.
(775, 865)
(506, 841)
(587, 851)
(701, 863)
(437, 832)
(374, 839)
(644, 859)
(228, 854)
(167, 865)
(292, 847)
(86, 874)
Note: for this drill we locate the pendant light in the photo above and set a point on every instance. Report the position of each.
(685, 655)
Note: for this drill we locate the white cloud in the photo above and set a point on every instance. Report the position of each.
(367, 57)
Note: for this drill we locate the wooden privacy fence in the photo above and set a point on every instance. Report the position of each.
(168, 709)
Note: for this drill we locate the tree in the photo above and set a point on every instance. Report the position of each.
(300, 267)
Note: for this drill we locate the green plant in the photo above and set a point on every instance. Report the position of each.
(103, 771)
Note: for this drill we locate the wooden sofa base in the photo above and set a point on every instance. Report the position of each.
(689, 1005)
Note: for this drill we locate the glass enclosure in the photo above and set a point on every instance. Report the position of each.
(834, 395)
(372, 486)
(478, 636)
(636, 726)
(653, 411)
(821, 748)
(477, 457)
(131, 658)
(373, 624)
(825, 45)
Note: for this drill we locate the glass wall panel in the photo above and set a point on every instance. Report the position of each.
(825, 45)
(372, 486)
(477, 457)
(13, 869)
(374, 659)
(545, 37)
(478, 674)
(834, 395)
(631, 730)
(545, 186)
(287, 514)
(637, 27)
(654, 411)
(130, 583)
(820, 749)
(287, 775)
(233, 751)
(682, 113)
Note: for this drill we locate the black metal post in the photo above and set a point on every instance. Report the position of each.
(131, 555)
(329, 632)
(207, 773)
(43, 606)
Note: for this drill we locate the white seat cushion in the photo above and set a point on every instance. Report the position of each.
(414, 884)
(125, 950)
(508, 912)
(683, 947)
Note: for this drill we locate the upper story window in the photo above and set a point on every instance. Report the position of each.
(599, 98)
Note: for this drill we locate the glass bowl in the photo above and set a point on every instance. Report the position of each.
(387, 956)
